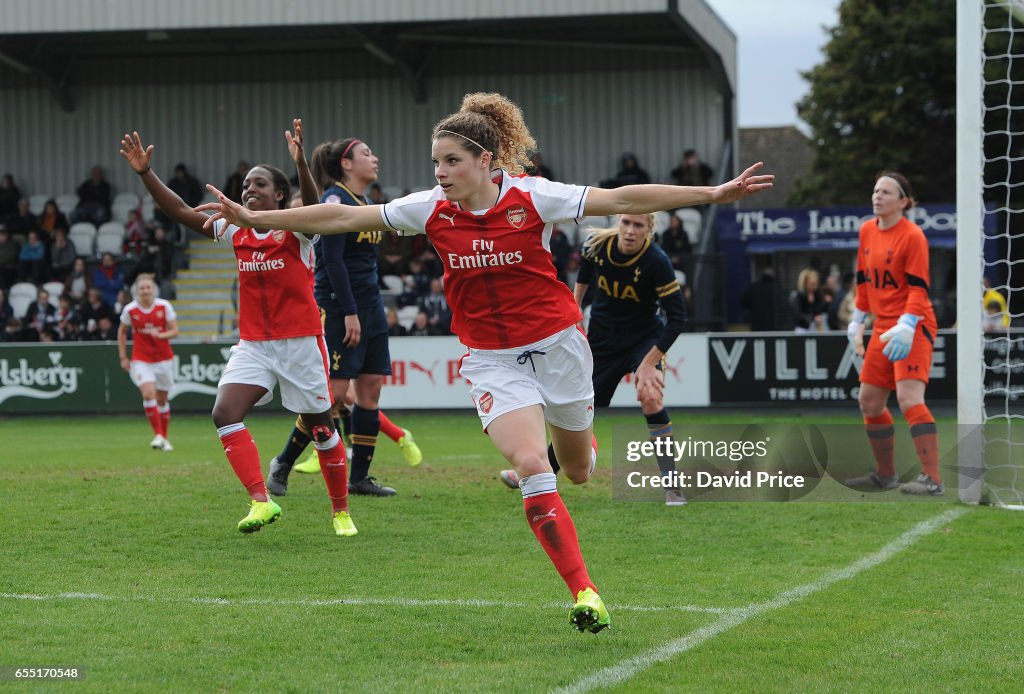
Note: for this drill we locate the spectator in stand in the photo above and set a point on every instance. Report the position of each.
(9, 197)
(395, 252)
(421, 327)
(136, 236)
(186, 186)
(995, 295)
(162, 248)
(417, 284)
(233, 185)
(676, 243)
(108, 279)
(124, 297)
(22, 221)
(9, 249)
(51, 220)
(539, 168)
(6, 310)
(66, 320)
(41, 314)
(807, 302)
(439, 316)
(992, 318)
(376, 195)
(62, 256)
(395, 329)
(92, 309)
(630, 173)
(78, 282)
(32, 259)
(762, 299)
(105, 331)
(94, 198)
(691, 171)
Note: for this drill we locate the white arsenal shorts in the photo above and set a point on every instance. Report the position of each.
(556, 372)
(160, 373)
(298, 364)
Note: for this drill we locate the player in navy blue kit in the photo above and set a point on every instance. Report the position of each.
(355, 324)
(634, 283)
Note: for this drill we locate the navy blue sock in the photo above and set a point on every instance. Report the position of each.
(659, 426)
(365, 427)
(293, 448)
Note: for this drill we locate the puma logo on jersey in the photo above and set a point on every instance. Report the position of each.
(449, 217)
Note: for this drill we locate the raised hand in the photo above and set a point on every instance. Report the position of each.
(226, 209)
(743, 185)
(138, 157)
(295, 141)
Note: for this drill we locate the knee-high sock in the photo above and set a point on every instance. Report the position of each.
(296, 443)
(926, 439)
(241, 452)
(365, 427)
(882, 437)
(659, 426)
(332, 466)
(551, 523)
(165, 418)
(152, 415)
(388, 428)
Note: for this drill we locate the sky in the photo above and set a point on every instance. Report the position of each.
(775, 41)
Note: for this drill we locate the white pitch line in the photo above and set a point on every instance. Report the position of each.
(632, 666)
(354, 601)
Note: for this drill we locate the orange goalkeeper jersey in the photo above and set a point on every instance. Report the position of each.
(892, 272)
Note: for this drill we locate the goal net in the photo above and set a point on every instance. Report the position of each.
(990, 251)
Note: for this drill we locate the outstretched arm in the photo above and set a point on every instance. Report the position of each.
(139, 158)
(641, 199)
(311, 219)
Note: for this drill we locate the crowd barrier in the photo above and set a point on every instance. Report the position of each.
(728, 369)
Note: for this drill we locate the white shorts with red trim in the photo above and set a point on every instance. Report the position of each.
(556, 373)
(298, 364)
(160, 373)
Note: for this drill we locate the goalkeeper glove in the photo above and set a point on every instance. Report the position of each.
(855, 331)
(900, 337)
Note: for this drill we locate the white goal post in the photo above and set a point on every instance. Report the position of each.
(990, 113)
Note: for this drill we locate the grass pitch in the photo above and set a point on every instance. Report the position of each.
(125, 563)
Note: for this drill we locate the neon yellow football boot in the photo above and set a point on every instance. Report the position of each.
(409, 449)
(260, 513)
(589, 612)
(343, 525)
(309, 466)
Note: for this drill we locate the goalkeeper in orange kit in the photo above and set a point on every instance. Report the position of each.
(892, 284)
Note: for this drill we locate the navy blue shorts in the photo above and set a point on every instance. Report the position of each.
(609, 369)
(370, 356)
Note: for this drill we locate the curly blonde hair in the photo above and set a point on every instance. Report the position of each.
(494, 123)
(597, 236)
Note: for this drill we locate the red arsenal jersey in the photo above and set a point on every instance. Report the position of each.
(275, 275)
(144, 322)
(499, 278)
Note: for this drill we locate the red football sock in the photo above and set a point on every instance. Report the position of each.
(333, 468)
(882, 437)
(926, 438)
(165, 419)
(241, 452)
(388, 428)
(553, 526)
(152, 414)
